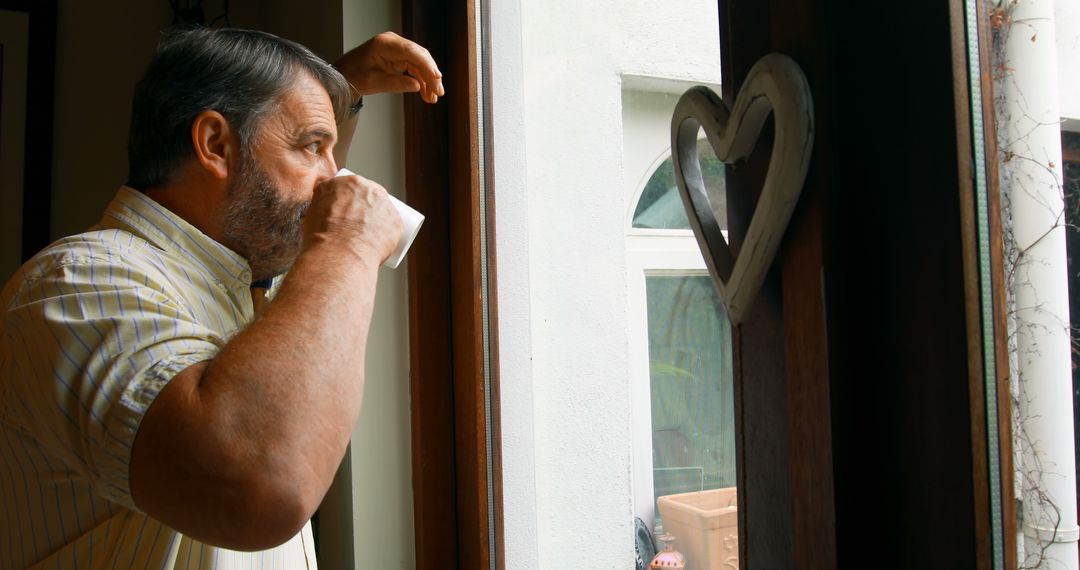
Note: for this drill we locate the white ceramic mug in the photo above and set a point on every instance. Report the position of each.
(409, 217)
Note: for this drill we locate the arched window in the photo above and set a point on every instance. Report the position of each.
(659, 205)
(682, 385)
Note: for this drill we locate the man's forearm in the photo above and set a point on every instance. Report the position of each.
(294, 378)
(240, 452)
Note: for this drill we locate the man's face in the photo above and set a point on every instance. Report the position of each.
(277, 172)
(260, 223)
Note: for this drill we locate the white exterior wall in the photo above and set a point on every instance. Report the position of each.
(561, 207)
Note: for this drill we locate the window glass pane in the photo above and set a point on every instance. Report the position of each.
(660, 206)
(691, 378)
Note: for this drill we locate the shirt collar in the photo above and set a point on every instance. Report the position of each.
(137, 213)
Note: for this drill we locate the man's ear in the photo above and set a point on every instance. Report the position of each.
(215, 143)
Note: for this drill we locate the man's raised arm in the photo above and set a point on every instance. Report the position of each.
(387, 63)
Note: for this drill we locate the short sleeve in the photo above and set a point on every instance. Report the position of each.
(91, 343)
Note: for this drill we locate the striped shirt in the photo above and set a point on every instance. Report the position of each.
(92, 328)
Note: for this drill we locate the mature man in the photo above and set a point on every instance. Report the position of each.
(150, 416)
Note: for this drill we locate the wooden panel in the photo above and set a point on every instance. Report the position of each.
(853, 374)
(431, 365)
(470, 425)
(782, 375)
(806, 352)
(450, 430)
(805, 325)
(898, 327)
(761, 398)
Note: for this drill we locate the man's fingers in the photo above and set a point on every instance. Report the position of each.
(429, 91)
(408, 80)
(389, 63)
(354, 208)
(410, 57)
(387, 83)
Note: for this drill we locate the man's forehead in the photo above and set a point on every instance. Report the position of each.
(306, 107)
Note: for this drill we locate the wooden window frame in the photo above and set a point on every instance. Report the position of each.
(454, 376)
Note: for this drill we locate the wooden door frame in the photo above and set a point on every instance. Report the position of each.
(452, 305)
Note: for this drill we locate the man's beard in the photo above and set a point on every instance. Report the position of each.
(259, 223)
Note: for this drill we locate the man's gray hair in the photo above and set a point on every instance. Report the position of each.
(238, 73)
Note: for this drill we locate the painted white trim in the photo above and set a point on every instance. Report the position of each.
(663, 84)
(517, 404)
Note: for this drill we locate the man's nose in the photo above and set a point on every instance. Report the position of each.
(329, 169)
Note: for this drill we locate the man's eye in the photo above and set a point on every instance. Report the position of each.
(314, 147)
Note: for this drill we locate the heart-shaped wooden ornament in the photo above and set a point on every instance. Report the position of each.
(775, 84)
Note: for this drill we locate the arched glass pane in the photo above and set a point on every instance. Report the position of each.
(660, 206)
